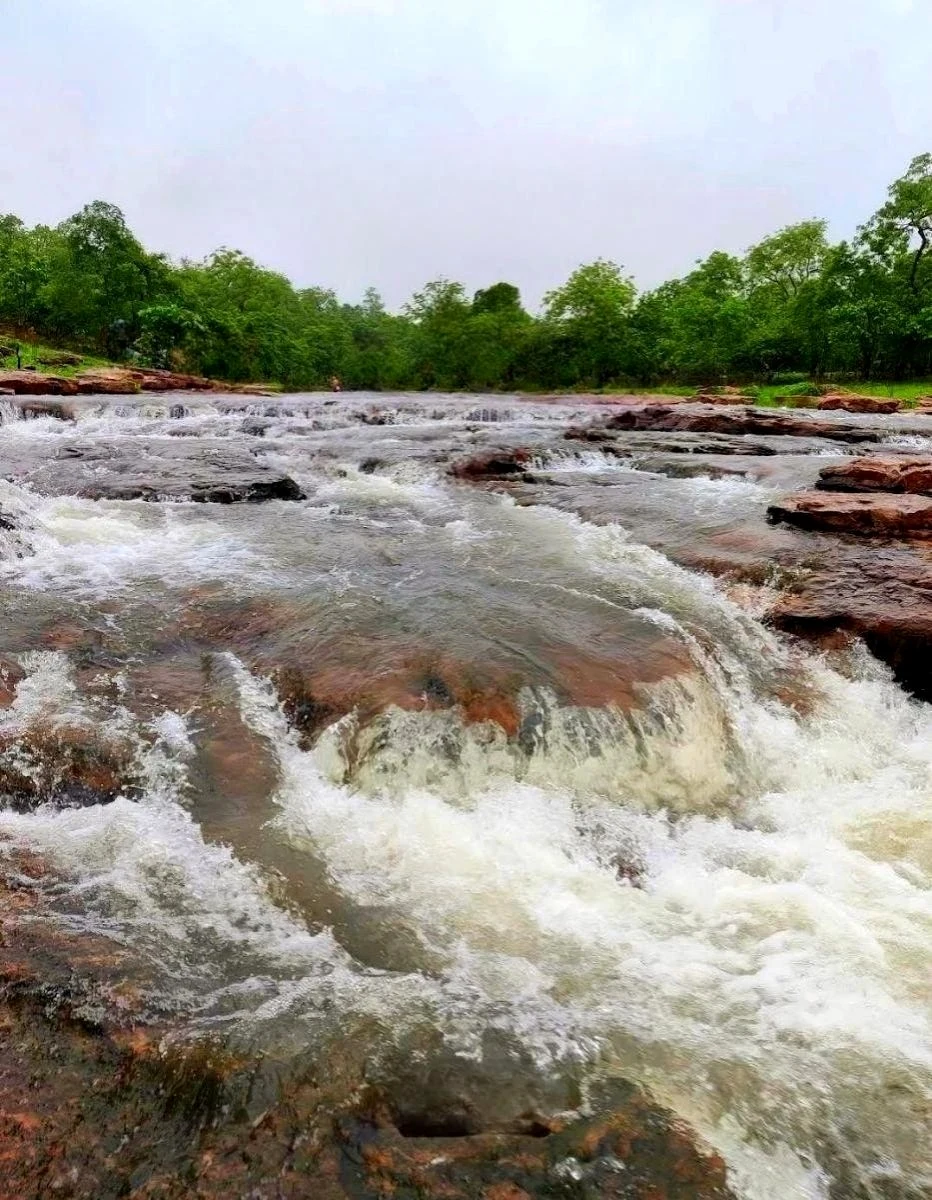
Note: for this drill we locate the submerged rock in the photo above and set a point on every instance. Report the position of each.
(637, 1150)
(69, 767)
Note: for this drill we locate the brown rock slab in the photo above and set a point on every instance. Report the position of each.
(850, 402)
(883, 596)
(880, 473)
(34, 383)
(704, 418)
(876, 514)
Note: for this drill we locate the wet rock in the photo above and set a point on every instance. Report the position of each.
(883, 597)
(588, 433)
(638, 1150)
(494, 464)
(109, 381)
(879, 473)
(11, 675)
(316, 696)
(153, 380)
(46, 408)
(877, 514)
(69, 767)
(850, 402)
(739, 420)
(148, 469)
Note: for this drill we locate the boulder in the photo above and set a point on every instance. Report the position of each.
(494, 464)
(850, 402)
(60, 358)
(876, 514)
(881, 473)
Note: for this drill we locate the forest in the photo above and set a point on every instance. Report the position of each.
(793, 306)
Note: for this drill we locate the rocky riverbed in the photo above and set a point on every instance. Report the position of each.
(464, 797)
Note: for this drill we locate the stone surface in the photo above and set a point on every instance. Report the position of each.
(883, 595)
(877, 514)
(70, 767)
(494, 464)
(32, 383)
(879, 473)
(148, 469)
(850, 402)
(101, 1098)
(736, 421)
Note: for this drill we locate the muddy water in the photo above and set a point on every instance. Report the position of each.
(544, 807)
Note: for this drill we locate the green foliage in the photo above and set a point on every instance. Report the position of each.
(793, 308)
(589, 315)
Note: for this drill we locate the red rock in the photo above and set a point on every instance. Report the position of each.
(152, 380)
(880, 473)
(878, 514)
(850, 402)
(11, 674)
(111, 381)
(884, 597)
(704, 418)
(65, 766)
(34, 383)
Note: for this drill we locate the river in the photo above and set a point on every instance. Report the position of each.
(547, 804)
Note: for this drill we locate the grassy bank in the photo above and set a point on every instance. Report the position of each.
(32, 353)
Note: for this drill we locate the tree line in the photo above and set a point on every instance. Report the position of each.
(794, 304)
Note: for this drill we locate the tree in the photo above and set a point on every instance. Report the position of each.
(439, 314)
(904, 223)
(591, 309)
(789, 258)
(99, 275)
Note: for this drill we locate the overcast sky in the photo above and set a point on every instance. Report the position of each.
(386, 142)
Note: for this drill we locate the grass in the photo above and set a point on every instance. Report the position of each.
(908, 393)
(31, 352)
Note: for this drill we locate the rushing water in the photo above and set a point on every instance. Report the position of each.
(673, 871)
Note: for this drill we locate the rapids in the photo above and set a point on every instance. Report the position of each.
(561, 809)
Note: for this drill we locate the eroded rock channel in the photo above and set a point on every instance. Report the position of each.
(508, 799)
